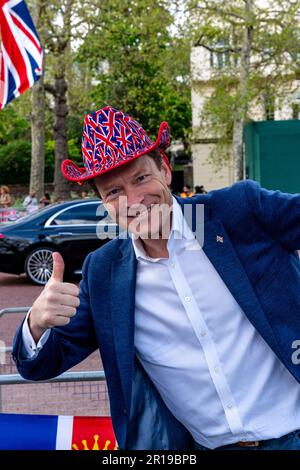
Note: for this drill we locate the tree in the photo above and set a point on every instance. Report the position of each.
(97, 53)
(137, 65)
(38, 114)
(58, 45)
(255, 44)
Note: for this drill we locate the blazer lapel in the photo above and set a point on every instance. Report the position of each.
(218, 248)
(123, 279)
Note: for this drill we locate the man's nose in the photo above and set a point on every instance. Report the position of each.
(133, 198)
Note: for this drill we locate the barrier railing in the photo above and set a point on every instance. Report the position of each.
(5, 311)
(15, 379)
(10, 214)
(80, 376)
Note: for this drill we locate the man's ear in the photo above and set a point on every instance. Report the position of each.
(167, 174)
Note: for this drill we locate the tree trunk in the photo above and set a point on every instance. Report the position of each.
(37, 169)
(242, 98)
(61, 185)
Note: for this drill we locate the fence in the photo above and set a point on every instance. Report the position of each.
(80, 392)
(10, 214)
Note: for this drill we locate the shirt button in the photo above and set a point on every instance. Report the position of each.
(187, 299)
(216, 369)
(229, 406)
(203, 333)
(172, 265)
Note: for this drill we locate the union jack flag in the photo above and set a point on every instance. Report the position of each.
(21, 55)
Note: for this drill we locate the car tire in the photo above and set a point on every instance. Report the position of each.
(39, 265)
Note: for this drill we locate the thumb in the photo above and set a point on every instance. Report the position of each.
(58, 267)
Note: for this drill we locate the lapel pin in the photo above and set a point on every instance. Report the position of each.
(219, 239)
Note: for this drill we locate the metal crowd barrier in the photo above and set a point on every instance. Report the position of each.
(10, 214)
(14, 379)
(5, 311)
(80, 376)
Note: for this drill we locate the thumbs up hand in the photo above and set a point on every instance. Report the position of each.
(58, 267)
(56, 304)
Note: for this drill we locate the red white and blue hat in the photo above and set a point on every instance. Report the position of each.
(110, 139)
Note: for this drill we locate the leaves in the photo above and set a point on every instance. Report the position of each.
(127, 54)
(137, 65)
(220, 26)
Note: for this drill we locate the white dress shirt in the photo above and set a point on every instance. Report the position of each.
(213, 370)
(30, 348)
(211, 367)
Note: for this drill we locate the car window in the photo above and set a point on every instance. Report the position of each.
(81, 214)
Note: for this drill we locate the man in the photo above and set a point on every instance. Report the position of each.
(30, 202)
(200, 190)
(187, 191)
(198, 341)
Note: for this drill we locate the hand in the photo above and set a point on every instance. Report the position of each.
(56, 304)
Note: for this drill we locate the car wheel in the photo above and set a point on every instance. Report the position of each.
(39, 265)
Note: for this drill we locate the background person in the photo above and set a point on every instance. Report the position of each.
(45, 200)
(30, 202)
(5, 197)
(200, 190)
(187, 191)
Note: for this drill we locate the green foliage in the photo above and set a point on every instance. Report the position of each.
(124, 55)
(138, 66)
(15, 160)
(74, 153)
(13, 125)
(74, 149)
(219, 27)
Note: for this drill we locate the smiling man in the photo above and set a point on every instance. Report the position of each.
(139, 200)
(196, 339)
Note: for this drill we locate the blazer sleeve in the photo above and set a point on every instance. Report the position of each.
(277, 212)
(66, 346)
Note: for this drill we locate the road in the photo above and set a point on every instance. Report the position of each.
(88, 398)
(15, 291)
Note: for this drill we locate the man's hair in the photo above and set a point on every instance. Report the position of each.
(155, 154)
(157, 157)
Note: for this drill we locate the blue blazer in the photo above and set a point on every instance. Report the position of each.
(259, 264)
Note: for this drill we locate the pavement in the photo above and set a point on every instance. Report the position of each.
(74, 398)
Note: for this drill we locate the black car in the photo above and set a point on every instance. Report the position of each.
(74, 228)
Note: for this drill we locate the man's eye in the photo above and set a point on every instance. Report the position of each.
(142, 177)
(112, 192)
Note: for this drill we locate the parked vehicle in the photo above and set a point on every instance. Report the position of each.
(74, 228)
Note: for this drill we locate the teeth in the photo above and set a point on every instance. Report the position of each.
(144, 212)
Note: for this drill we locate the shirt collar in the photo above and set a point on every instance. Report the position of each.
(179, 230)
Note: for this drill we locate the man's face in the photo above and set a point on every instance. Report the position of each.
(133, 194)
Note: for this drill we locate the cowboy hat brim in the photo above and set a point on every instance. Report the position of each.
(73, 172)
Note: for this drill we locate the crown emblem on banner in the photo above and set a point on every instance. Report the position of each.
(95, 445)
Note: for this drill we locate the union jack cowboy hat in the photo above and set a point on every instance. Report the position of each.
(110, 139)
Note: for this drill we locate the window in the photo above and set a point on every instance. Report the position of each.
(269, 104)
(220, 58)
(81, 214)
(296, 110)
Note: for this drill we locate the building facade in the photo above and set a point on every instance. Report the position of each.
(203, 65)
